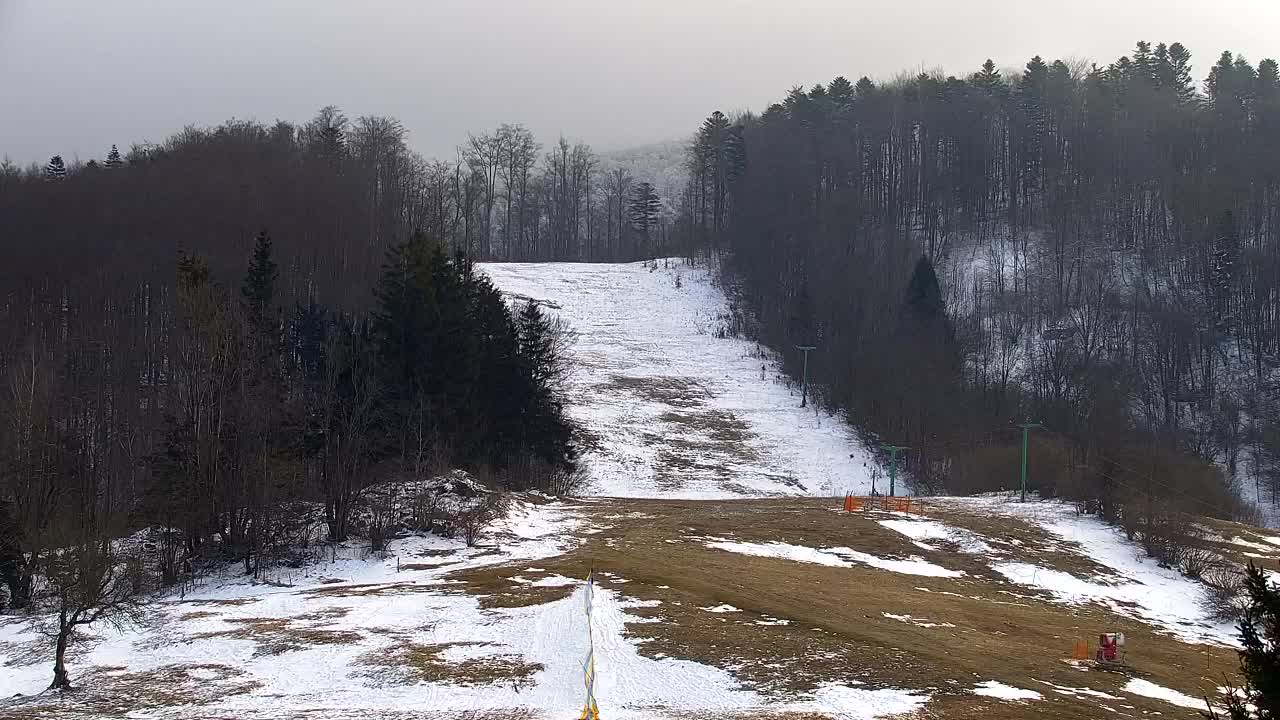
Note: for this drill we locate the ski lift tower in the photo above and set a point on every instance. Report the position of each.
(804, 382)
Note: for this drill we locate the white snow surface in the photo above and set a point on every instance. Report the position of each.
(928, 534)
(918, 622)
(834, 557)
(674, 411)
(1134, 586)
(992, 688)
(384, 608)
(849, 703)
(1146, 688)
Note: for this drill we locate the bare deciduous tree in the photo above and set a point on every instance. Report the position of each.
(85, 584)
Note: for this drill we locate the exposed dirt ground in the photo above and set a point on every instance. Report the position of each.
(793, 626)
(836, 629)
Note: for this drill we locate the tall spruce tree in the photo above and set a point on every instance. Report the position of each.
(924, 295)
(258, 295)
(418, 327)
(547, 431)
(644, 211)
(114, 161)
(841, 91)
(988, 78)
(56, 169)
(1180, 64)
(1259, 699)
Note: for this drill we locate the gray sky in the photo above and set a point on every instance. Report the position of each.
(76, 76)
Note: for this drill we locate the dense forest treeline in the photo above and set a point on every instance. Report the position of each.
(237, 333)
(330, 189)
(1097, 248)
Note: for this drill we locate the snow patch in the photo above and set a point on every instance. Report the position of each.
(850, 703)
(1074, 691)
(910, 566)
(648, 367)
(1133, 585)
(833, 557)
(925, 532)
(1146, 688)
(548, 581)
(994, 689)
(918, 622)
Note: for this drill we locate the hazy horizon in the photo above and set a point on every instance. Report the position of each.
(78, 77)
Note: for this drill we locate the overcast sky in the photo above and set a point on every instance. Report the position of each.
(78, 75)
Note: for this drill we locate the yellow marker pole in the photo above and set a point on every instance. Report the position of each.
(589, 709)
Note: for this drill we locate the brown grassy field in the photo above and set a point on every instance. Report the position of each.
(797, 625)
(836, 627)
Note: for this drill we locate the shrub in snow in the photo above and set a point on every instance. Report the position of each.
(1226, 598)
(477, 518)
(439, 505)
(1196, 561)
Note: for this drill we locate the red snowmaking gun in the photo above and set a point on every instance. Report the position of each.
(1110, 653)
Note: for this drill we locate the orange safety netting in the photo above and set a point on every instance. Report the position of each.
(879, 502)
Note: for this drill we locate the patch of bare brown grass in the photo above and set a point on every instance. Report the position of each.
(837, 629)
(369, 590)
(719, 425)
(226, 602)
(412, 662)
(680, 392)
(107, 692)
(198, 615)
(496, 589)
(329, 613)
(274, 636)
(414, 567)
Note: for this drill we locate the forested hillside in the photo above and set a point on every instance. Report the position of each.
(1096, 248)
(239, 330)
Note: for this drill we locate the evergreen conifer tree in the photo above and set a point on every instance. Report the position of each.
(1145, 63)
(735, 152)
(924, 296)
(1259, 699)
(1180, 64)
(644, 210)
(259, 289)
(262, 315)
(841, 91)
(547, 431)
(988, 79)
(1268, 80)
(114, 161)
(56, 169)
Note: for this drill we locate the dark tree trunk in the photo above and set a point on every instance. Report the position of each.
(15, 571)
(337, 511)
(16, 574)
(61, 680)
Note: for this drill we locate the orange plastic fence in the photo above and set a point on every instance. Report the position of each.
(1080, 651)
(879, 502)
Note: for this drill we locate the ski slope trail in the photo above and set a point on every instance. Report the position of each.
(669, 407)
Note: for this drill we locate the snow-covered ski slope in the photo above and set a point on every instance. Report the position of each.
(671, 410)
